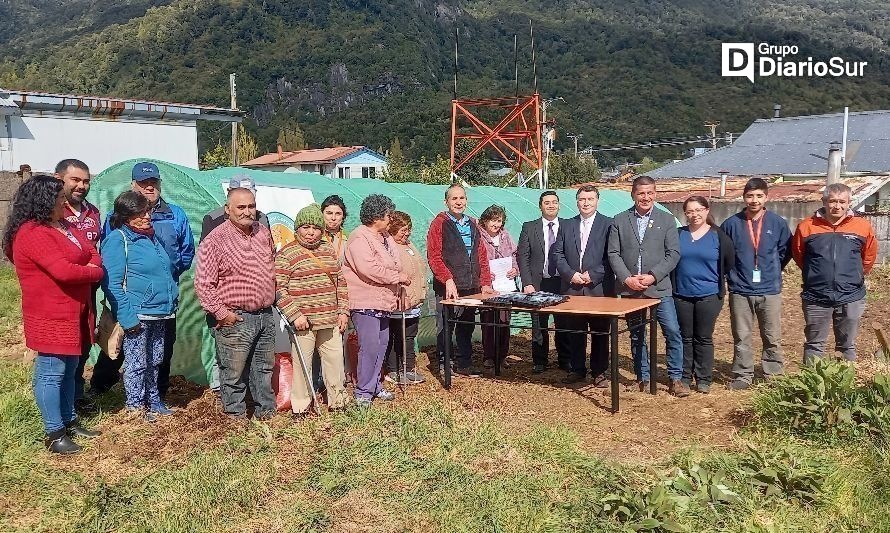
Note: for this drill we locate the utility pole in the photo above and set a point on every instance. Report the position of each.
(234, 94)
(713, 127)
(547, 137)
(575, 138)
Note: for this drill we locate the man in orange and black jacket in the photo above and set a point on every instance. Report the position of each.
(834, 249)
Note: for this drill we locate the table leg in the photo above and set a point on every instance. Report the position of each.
(448, 347)
(613, 361)
(653, 349)
(496, 318)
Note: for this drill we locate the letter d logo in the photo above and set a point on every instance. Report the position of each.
(738, 60)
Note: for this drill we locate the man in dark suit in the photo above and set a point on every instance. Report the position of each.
(582, 261)
(538, 273)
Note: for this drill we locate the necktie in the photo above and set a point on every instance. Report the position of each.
(585, 234)
(551, 238)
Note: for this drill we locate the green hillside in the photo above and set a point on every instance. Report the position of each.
(367, 71)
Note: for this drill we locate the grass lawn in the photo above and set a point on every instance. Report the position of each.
(428, 462)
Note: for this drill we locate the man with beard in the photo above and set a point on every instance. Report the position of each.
(84, 216)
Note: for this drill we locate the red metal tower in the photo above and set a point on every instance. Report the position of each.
(515, 137)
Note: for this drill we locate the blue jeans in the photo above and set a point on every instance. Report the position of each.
(143, 353)
(670, 328)
(54, 389)
(247, 348)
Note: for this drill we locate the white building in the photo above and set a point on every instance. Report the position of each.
(339, 162)
(40, 129)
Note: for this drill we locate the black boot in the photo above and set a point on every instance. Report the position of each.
(75, 429)
(59, 442)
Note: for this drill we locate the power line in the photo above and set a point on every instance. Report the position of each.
(674, 141)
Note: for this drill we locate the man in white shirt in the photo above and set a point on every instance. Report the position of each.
(537, 271)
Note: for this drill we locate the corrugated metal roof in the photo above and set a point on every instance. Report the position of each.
(679, 189)
(8, 107)
(310, 156)
(104, 105)
(794, 145)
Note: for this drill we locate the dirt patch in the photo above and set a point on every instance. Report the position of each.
(130, 445)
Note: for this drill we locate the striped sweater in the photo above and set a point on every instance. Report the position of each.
(305, 287)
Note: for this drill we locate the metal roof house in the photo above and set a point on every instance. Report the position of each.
(794, 145)
(343, 162)
(40, 129)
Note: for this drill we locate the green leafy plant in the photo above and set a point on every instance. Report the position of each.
(704, 485)
(642, 511)
(823, 401)
(784, 476)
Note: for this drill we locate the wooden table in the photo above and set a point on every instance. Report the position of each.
(592, 306)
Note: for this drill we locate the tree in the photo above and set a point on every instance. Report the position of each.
(566, 170)
(291, 138)
(647, 164)
(398, 170)
(436, 172)
(218, 156)
(476, 170)
(247, 145)
(395, 151)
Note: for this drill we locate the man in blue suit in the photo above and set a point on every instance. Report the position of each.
(582, 261)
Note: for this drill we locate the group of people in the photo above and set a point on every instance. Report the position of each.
(375, 279)
(641, 253)
(63, 254)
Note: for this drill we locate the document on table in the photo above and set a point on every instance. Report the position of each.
(499, 269)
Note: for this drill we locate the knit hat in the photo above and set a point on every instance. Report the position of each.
(311, 214)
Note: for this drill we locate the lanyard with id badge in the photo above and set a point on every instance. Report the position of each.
(755, 240)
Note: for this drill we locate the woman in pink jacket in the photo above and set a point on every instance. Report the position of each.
(373, 274)
(498, 245)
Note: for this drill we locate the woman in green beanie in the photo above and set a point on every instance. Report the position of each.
(312, 296)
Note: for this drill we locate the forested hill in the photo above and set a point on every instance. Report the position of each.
(367, 71)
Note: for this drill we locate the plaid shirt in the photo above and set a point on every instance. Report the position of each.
(235, 270)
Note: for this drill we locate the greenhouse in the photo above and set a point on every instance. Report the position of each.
(281, 195)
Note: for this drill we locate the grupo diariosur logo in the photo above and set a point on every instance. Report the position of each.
(738, 59)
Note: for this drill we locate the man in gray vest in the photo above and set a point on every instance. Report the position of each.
(644, 249)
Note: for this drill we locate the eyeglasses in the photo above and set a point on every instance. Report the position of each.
(696, 211)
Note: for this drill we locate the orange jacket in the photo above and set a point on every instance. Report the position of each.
(834, 259)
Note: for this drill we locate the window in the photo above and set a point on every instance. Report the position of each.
(369, 172)
(343, 173)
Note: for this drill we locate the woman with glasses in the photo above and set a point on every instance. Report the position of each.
(498, 245)
(140, 289)
(706, 257)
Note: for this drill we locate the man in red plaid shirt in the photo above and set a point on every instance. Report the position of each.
(235, 282)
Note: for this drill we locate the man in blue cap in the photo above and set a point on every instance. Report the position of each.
(171, 227)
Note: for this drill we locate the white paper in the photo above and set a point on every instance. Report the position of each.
(499, 269)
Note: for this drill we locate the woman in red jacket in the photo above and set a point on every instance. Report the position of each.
(56, 265)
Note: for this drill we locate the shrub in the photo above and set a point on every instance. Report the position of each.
(823, 402)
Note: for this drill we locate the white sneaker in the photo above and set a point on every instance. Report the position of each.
(386, 396)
